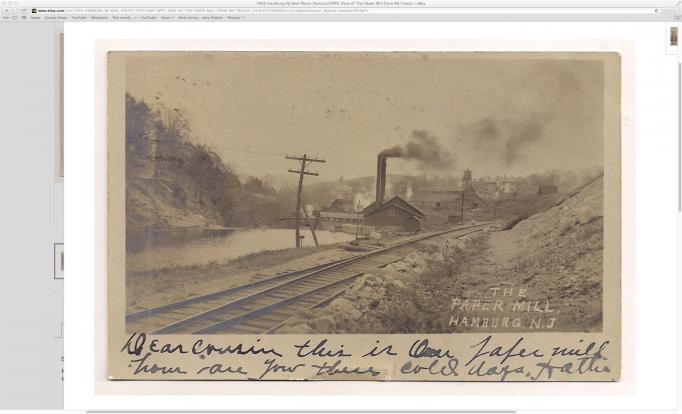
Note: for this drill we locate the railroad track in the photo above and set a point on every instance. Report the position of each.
(263, 305)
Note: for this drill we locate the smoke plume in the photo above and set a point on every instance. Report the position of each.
(362, 200)
(507, 140)
(424, 148)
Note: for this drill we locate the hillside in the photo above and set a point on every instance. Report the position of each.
(173, 197)
(558, 254)
(172, 182)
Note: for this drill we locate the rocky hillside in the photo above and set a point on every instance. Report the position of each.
(559, 254)
(170, 198)
(173, 182)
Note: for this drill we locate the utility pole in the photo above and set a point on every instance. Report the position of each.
(305, 162)
(357, 223)
(311, 224)
(461, 211)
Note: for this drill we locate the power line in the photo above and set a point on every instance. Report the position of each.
(279, 154)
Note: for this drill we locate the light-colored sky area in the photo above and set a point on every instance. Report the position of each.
(493, 113)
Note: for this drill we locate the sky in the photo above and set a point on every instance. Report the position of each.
(497, 114)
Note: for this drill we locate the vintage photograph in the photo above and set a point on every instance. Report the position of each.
(673, 36)
(364, 193)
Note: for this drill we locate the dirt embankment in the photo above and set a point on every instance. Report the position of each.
(554, 257)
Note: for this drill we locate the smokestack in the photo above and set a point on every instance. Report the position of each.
(381, 178)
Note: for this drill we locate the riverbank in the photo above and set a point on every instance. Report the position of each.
(156, 287)
(205, 246)
(150, 288)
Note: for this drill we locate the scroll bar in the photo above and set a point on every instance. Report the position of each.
(679, 210)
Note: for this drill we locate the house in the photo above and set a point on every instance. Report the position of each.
(509, 185)
(501, 186)
(395, 212)
(486, 186)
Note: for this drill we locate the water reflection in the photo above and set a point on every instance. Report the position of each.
(156, 249)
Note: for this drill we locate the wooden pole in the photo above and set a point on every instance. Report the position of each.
(312, 227)
(305, 162)
(357, 223)
(298, 201)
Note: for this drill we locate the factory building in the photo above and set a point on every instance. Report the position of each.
(395, 212)
(444, 198)
(340, 205)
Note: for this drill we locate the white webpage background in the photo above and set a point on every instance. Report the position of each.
(649, 357)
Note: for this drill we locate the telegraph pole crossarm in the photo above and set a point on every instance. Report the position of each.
(305, 172)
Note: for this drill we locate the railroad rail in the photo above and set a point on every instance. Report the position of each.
(264, 305)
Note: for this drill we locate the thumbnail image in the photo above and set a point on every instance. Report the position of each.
(673, 36)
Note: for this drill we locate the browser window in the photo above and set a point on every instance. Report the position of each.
(393, 206)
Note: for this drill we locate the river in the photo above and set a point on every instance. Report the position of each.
(184, 247)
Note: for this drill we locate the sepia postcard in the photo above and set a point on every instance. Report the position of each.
(386, 216)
